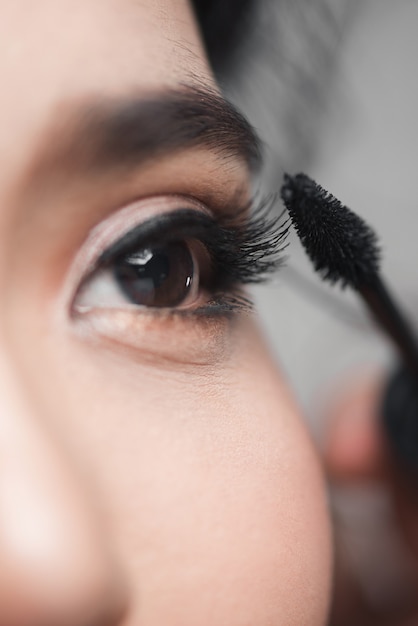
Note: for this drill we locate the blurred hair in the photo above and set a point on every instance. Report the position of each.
(225, 25)
(278, 61)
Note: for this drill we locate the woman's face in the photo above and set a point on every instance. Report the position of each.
(154, 468)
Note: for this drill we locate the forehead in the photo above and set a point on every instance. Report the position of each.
(55, 51)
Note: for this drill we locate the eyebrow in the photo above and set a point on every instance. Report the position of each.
(124, 132)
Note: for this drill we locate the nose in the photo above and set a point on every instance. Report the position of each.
(56, 567)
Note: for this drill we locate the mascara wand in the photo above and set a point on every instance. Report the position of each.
(344, 249)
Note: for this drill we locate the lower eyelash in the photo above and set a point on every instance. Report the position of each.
(226, 304)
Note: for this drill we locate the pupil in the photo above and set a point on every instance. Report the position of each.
(158, 276)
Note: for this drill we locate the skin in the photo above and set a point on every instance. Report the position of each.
(154, 470)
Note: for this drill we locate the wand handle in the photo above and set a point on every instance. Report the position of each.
(382, 305)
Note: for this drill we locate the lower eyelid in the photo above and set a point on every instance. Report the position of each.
(159, 334)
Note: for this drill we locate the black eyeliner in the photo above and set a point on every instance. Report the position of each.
(162, 228)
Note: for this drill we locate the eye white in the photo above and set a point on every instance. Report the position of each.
(101, 290)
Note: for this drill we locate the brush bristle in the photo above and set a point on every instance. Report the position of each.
(342, 247)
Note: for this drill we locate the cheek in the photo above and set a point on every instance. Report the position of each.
(247, 534)
(212, 489)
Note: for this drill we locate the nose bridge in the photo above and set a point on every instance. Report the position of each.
(55, 564)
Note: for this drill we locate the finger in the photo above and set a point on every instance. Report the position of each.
(354, 448)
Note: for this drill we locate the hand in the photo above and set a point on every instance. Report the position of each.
(376, 516)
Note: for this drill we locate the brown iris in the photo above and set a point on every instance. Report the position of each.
(156, 276)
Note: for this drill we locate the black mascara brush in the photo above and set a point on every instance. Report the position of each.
(344, 249)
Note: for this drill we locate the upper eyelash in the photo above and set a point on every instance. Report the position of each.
(242, 249)
(249, 249)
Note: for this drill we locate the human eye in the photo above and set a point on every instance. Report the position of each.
(184, 260)
(179, 260)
